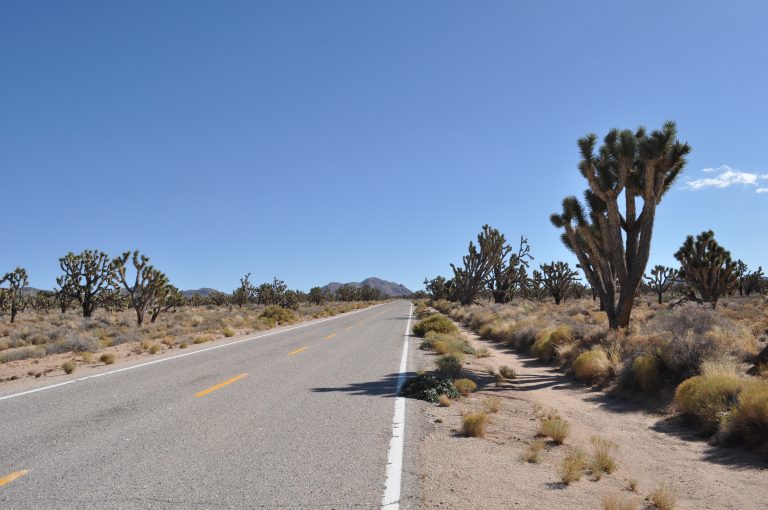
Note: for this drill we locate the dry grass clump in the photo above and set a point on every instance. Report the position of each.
(534, 451)
(444, 401)
(482, 352)
(663, 497)
(450, 364)
(707, 399)
(86, 356)
(603, 460)
(474, 424)
(228, 332)
(548, 339)
(107, 358)
(632, 485)
(620, 502)
(645, 372)
(279, 314)
(68, 367)
(492, 404)
(507, 372)
(465, 386)
(573, 466)
(555, 428)
(436, 323)
(154, 348)
(591, 366)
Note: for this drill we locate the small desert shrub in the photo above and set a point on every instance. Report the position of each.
(450, 364)
(482, 352)
(632, 485)
(706, 399)
(107, 358)
(691, 317)
(279, 314)
(465, 386)
(645, 372)
(749, 422)
(145, 345)
(592, 366)
(603, 460)
(79, 343)
(228, 332)
(68, 367)
(663, 498)
(533, 452)
(201, 339)
(37, 339)
(87, 356)
(429, 388)
(507, 372)
(548, 339)
(154, 348)
(474, 424)
(492, 404)
(128, 336)
(29, 351)
(437, 323)
(683, 356)
(620, 502)
(555, 428)
(573, 466)
(444, 401)
(183, 345)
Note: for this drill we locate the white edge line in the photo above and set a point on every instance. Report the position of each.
(391, 499)
(220, 346)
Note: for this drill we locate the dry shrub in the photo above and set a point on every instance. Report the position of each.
(603, 460)
(663, 497)
(573, 466)
(645, 372)
(555, 428)
(482, 352)
(444, 401)
(228, 332)
(154, 348)
(749, 422)
(450, 364)
(492, 404)
(86, 356)
(107, 358)
(474, 424)
(533, 452)
(28, 351)
(507, 372)
(465, 386)
(437, 323)
(548, 339)
(68, 367)
(591, 366)
(620, 502)
(707, 399)
(632, 484)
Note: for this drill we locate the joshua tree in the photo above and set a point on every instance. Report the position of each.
(613, 247)
(218, 298)
(16, 280)
(439, 288)
(86, 276)
(168, 298)
(478, 264)
(707, 267)
(742, 271)
(271, 293)
(661, 279)
(508, 277)
(317, 296)
(557, 278)
(147, 282)
(754, 282)
(245, 293)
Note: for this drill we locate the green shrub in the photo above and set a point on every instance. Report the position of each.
(707, 399)
(465, 386)
(228, 332)
(429, 388)
(450, 364)
(68, 367)
(749, 422)
(474, 424)
(448, 344)
(547, 339)
(435, 322)
(645, 371)
(592, 366)
(279, 314)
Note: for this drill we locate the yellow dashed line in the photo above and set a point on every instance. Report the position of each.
(220, 385)
(297, 351)
(11, 477)
(330, 336)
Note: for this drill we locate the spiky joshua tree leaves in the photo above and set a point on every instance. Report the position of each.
(86, 277)
(474, 276)
(510, 277)
(147, 285)
(661, 279)
(245, 293)
(613, 243)
(707, 267)
(12, 298)
(558, 278)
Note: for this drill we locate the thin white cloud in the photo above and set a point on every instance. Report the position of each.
(726, 177)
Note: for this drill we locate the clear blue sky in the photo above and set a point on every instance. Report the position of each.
(333, 140)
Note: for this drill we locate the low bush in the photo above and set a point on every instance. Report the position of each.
(646, 374)
(548, 339)
(429, 388)
(603, 460)
(573, 466)
(68, 367)
(154, 348)
(474, 424)
(492, 404)
(465, 386)
(107, 358)
(533, 452)
(620, 502)
(591, 366)
(555, 428)
(707, 399)
(482, 352)
(79, 343)
(507, 372)
(435, 322)
(448, 344)
(444, 401)
(87, 356)
(279, 314)
(29, 351)
(749, 422)
(450, 364)
(663, 498)
(228, 332)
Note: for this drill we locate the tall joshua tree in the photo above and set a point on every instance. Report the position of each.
(168, 298)
(557, 278)
(86, 277)
(147, 285)
(245, 293)
(661, 279)
(509, 276)
(707, 267)
(478, 264)
(612, 245)
(16, 280)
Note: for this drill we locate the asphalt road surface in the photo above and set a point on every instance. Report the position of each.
(301, 418)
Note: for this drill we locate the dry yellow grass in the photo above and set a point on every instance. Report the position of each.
(573, 465)
(555, 429)
(444, 401)
(663, 497)
(620, 502)
(534, 451)
(492, 404)
(474, 424)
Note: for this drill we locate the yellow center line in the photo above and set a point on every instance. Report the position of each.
(348, 328)
(11, 477)
(220, 385)
(297, 351)
(330, 336)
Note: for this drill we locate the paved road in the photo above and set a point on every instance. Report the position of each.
(297, 419)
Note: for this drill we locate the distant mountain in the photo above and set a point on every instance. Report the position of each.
(204, 292)
(387, 288)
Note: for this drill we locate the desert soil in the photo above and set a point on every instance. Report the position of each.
(489, 472)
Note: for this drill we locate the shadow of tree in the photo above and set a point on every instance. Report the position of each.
(384, 387)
